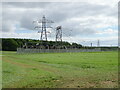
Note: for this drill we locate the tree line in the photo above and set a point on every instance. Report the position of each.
(11, 44)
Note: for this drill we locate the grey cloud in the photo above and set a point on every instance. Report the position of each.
(27, 20)
(25, 4)
(73, 28)
(58, 12)
(8, 26)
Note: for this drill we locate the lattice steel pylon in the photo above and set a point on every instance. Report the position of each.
(43, 26)
(59, 33)
(98, 43)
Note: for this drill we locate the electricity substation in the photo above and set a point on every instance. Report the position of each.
(42, 25)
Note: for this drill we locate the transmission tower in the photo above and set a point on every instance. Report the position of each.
(59, 33)
(98, 43)
(91, 44)
(43, 26)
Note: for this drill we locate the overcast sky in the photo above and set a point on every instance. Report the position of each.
(82, 22)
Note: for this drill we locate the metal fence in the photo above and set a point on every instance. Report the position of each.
(22, 50)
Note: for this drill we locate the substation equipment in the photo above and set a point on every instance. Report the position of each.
(42, 25)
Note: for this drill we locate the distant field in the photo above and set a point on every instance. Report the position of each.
(60, 70)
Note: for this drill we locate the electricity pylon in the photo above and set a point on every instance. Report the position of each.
(59, 33)
(98, 43)
(43, 26)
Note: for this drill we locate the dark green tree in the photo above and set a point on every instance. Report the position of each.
(9, 45)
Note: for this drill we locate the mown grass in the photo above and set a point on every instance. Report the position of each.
(60, 70)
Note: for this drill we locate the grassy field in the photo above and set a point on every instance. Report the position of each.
(60, 70)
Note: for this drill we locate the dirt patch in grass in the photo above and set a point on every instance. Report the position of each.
(34, 67)
(19, 64)
(108, 84)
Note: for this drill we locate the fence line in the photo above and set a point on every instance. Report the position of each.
(22, 50)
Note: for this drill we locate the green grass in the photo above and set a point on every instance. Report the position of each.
(60, 70)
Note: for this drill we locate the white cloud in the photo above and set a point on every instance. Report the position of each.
(77, 19)
(108, 31)
(109, 40)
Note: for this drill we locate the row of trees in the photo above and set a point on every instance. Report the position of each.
(11, 44)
